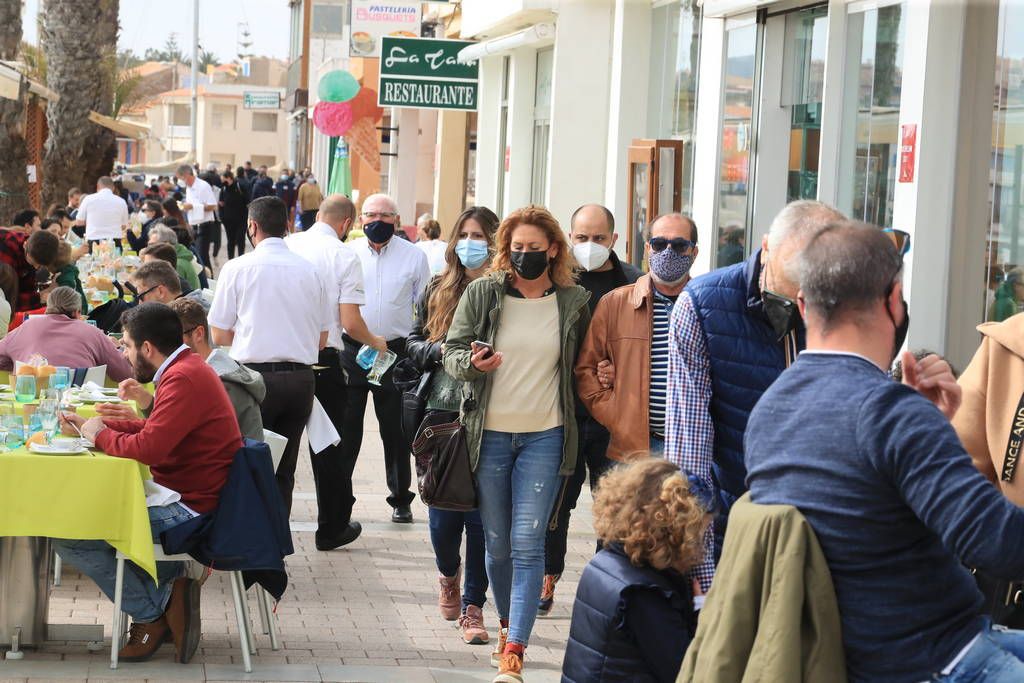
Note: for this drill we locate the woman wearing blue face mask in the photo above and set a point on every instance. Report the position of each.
(467, 257)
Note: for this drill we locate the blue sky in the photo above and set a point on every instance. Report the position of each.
(147, 23)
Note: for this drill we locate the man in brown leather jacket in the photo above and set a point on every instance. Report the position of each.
(630, 330)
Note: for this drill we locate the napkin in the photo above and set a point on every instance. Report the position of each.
(320, 429)
(157, 495)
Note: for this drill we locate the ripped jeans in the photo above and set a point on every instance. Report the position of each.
(518, 481)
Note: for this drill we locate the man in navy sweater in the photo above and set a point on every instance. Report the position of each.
(882, 478)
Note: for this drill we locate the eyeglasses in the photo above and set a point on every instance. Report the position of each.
(139, 296)
(678, 244)
(377, 215)
(900, 239)
(189, 330)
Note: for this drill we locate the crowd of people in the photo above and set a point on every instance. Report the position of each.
(532, 357)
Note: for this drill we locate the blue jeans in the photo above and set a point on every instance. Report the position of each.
(657, 447)
(996, 657)
(518, 480)
(446, 536)
(144, 600)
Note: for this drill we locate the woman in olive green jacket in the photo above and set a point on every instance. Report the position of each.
(518, 407)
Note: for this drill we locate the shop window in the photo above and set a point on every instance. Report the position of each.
(542, 123)
(675, 53)
(803, 80)
(267, 160)
(263, 122)
(871, 112)
(1004, 276)
(738, 116)
(503, 149)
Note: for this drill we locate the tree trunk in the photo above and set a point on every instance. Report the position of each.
(13, 155)
(80, 71)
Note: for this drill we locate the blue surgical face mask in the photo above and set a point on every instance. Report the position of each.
(472, 253)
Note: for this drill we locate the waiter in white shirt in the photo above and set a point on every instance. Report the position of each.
(200, 203)
(395, 273)
(103, 214)
(321, 245)
(271, 330)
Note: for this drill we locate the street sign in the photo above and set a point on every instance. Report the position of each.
(261, 100)
(423, 73)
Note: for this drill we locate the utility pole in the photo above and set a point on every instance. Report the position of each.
(195, 78)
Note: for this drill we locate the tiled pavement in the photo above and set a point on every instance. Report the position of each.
(365, 613)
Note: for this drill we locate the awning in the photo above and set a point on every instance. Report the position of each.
(123, 128)
(160, 168)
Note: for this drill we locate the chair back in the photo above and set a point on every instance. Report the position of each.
(277, 445)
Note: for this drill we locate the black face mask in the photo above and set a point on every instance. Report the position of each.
(248, 236)
(379, 232)
(783, 314)
(529, 264)
(900, 333)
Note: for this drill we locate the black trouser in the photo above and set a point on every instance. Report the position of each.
(285, 410)
(332, 470)
(117, 243)
(206, 235)
(308, 218)
(235, 230)
(387, 403)
(592, 452)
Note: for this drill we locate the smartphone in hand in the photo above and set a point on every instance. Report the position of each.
(484, 345)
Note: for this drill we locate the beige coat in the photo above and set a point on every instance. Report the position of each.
(990, 421)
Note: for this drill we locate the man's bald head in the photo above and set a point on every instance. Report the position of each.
(592, 216)
(339, 212)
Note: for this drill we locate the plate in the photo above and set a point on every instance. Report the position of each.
(44, 449)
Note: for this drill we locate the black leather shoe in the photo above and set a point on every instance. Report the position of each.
(402, 515)
(346, 536)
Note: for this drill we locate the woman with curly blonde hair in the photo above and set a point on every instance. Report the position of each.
(514, 341)
(634, 614)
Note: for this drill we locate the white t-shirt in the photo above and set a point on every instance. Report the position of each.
(394, 279)
(338, 266)
(275, 303)
(104, 213)
(199, 194)
(435, 251)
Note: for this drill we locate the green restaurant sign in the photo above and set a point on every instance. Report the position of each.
(423, 73)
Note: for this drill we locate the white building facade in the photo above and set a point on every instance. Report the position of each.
(903, 114)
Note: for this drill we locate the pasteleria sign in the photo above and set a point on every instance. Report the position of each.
(423, 73)
(372, 19)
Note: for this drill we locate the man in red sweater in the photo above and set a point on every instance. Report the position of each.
(188, 442)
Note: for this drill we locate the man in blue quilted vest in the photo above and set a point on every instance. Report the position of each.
(732, 333)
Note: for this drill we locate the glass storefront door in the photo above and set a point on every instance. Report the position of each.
(1004, 277)
(871, 112)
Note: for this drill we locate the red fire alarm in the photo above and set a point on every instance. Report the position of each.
(908, 151)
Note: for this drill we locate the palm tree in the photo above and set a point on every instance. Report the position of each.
(13, 154)
(81, 72)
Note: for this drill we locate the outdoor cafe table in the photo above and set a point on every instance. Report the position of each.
(88, 496)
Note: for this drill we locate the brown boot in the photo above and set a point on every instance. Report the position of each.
(449, 598)
(144, 640)
(183, 618)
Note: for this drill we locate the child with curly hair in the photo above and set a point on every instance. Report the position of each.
(635, 613)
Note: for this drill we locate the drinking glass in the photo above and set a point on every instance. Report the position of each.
(5, 410)
(47, 413)
(25, 388)
(61, 378)
(15, 430)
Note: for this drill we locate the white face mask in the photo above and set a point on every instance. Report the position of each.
(590, 255)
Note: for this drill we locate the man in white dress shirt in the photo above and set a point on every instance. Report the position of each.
(395, 273)
(271, 329)
(103, 214)
(200, 203)
(321, 245)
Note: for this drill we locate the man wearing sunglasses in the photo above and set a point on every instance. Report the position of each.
(732, 333)
(878, 472)
(157, 281)
(630, 330)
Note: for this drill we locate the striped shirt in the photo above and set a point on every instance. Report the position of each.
(662, 309)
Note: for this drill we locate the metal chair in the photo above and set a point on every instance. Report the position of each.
(248, 642)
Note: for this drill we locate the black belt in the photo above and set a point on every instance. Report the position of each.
(277, 367)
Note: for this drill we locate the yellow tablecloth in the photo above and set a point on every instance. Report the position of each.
(78, 497)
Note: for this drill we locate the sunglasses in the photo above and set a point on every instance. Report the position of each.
(678, 244)
(900, 239)
(136, 293)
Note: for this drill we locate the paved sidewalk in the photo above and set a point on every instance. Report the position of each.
(364, 613)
